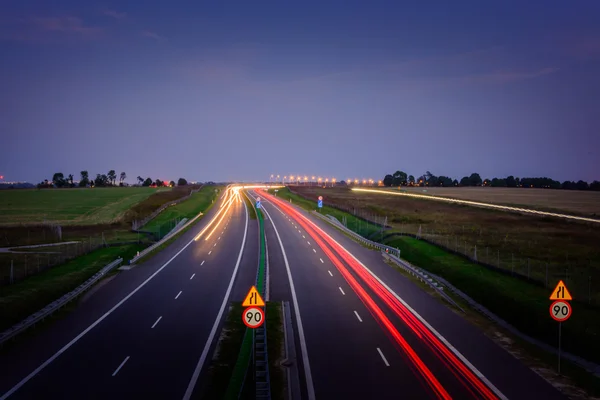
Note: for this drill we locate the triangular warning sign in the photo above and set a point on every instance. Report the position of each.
(561, 292)
(253, 299)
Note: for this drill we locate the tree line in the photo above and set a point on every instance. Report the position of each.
(102, 180)
(401, 178)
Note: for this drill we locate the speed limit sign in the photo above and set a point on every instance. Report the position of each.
(560, 310)
(253, 317)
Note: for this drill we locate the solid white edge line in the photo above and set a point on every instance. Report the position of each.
(196, 374)
(358, 316)
(178, 294)
(307, 374)
(92, 326)
(192, 277)
(342, 290)
(414, 312)
(157, 321)
(387, 364)
(120, 366)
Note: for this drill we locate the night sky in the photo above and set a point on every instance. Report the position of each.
(215, 90)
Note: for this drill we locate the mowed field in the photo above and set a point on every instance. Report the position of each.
(77, 206)
(585, 203)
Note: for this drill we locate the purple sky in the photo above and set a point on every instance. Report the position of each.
(222, 91)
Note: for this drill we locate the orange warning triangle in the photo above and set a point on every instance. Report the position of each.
(561, 292)
(253, 299)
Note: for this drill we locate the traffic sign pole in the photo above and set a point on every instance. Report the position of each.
(559, 344)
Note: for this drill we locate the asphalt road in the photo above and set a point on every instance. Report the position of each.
(342, 336)
(151, 344)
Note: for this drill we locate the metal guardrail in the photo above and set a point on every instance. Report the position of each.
(160, 242)
(393, 255)
(176, 228)
(55, 305)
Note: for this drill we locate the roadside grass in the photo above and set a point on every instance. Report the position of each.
(523, 305)
(225, 356)
(69, 206)
(24, 298)
(358, 225)
(167, 219)
(572, 379)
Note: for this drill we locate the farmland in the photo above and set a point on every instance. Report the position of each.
(584, 203)
(70, 206)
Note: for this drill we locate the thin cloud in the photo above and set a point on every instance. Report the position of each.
(114, 14)
(153, 35)
(50, 28)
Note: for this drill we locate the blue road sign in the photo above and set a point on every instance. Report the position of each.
(320, 204)
(258, 204)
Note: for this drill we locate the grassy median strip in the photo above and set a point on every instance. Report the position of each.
(223, 364)
(251, 215)
(24, 298)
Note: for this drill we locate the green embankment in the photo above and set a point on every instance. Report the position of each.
(24, 298)
(168, 219)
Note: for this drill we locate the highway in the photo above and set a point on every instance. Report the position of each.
(147, 332)
(362, 329)
(361, 339)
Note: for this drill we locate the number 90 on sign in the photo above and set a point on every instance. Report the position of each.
(253, 317)
(560, 311)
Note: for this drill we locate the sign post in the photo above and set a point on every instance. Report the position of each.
(560, 311)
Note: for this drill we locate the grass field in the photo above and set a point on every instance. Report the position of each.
(30, 295)
(166, 220)
(585, 203)
(70, 206)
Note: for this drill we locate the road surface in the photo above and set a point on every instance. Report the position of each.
(350, 353)
(149, 345)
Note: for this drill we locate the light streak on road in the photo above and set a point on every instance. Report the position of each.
(470, 378)
(479, 204)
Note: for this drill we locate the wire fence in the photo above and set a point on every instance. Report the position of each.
(20, 264)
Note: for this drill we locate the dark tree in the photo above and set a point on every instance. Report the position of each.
(85, 179)
(148, 182)
(388, 180)
(181, 182)
(475, 179)
(465, 181)
(59, 179)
